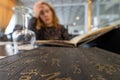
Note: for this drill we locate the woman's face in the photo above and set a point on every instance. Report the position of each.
(46, 15)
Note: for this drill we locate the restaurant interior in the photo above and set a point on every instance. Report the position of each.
(92, 53)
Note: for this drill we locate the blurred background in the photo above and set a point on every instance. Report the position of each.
(73, 14)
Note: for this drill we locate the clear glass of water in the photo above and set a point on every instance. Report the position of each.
(24, 36)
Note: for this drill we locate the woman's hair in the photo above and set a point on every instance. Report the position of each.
(55, 19)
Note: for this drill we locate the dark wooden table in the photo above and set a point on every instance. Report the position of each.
(61, 63)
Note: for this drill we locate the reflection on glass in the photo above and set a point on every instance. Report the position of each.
(9, 50)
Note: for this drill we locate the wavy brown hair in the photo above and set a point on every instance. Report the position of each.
(55, 21)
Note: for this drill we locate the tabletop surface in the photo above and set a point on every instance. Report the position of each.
(7, 48)
(61, 63)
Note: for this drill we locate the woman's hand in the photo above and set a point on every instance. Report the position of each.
(37, 8)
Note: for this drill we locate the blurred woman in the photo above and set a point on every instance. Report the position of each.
(45, 23)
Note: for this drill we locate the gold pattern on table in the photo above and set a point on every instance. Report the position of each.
(109, 69)
(28, 75)
(77, 69)
(28, 61)
(118, 67)
(98, 77)
(51, 76)
(44, 58)
(55, 62)
(25, 78)
(63, 78)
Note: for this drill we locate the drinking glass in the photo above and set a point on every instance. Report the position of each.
(24, 35)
